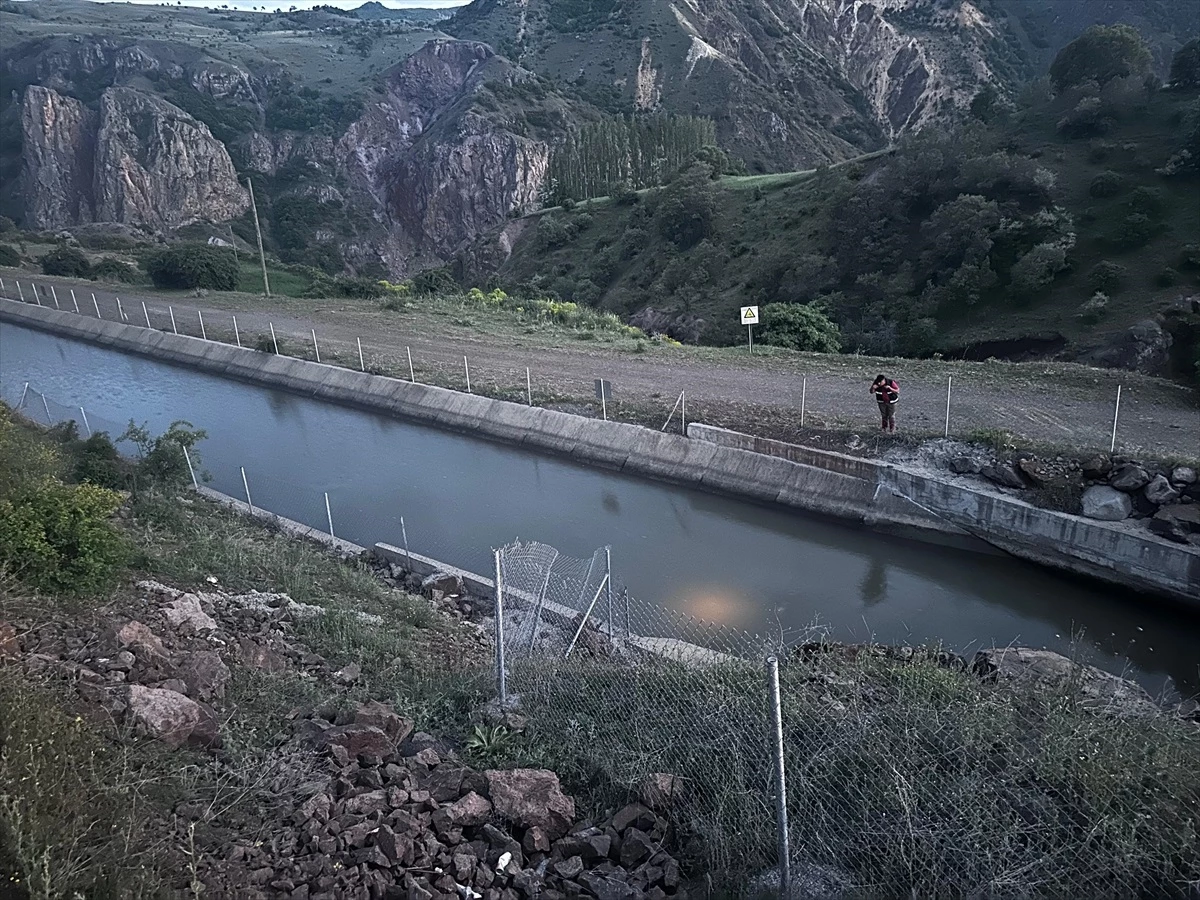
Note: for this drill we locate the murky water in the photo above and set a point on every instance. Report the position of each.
(741, 564)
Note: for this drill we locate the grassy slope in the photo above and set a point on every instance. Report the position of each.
(767, 219)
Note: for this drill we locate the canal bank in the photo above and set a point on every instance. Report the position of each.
(890, 499)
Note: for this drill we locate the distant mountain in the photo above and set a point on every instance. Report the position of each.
(791, 84)
(373, 11)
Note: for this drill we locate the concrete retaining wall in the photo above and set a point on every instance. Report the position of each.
(853, 490)
(1098, 549)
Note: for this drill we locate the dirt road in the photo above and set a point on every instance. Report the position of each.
(1063, 405)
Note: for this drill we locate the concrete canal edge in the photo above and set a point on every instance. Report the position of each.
(856, 491)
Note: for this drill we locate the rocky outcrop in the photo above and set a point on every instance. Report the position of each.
(59, 138)
(439, 172)
(157, 166)
(137, 161)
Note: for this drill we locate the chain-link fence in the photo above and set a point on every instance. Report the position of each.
(906, 773)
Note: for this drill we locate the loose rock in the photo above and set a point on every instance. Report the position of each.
(1106, 504)
(530, 797)
(1160, 492)
(173, 718)
(1129, 478)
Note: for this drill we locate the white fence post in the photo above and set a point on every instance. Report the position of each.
(316, 350)
(501, 674)
(49, 421)
(803, 398)
(467, 369)
(97, 306)
(85, 421)
(120, 309)
(1116, 413)
(174, 328)
(777, 751)
(528, 386)
(274, 340)
(74, 302)
(329, 515)
(54, 294)
(246, 485)
(24, 391)
(21, 291)
(237, 334)
(203, 333)
(35, 293)
(187, 456)
(362, 364)
(146, 313)
(411, 376)
(683, 412)
(949, 384)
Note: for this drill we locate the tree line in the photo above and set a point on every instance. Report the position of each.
(625, 153)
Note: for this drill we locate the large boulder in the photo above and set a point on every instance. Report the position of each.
(1055, 672)
(1005, 476)
(1183, 475)
(1160, 492)
(185, 613)
(531, 797)
(1130, 477)
(358, 739)
(386, 719)
(204, 674)
(173, 718)
(1107, 504)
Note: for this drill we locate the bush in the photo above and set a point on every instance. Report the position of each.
(111, 269)
(1148, 201)
(1100, 54)
(68, 262)
(1106, 184)
(97, 461)
(163, 462)
(687, 211)
(58, 537)
(1135, 230)
(1167, 277)
(798, 326)
(194, 266)
(1092, 310)
(1106, 276)
(9, 256)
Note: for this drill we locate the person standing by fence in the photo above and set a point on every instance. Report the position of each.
(887, 393)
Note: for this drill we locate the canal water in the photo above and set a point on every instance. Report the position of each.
(740, 564)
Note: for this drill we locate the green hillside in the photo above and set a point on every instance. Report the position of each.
(1066, 216)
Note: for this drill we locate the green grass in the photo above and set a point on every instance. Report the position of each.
(283, 282)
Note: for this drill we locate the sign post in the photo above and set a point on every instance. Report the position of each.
(750, 319)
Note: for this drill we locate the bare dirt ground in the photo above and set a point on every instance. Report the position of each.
(1054, 404)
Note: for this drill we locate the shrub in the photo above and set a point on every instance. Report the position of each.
(163, 462)
(1167, 277)
(194, 266)
(58, 537)
(1106, 184)
(111, 269)
(687, 211)
(68, 262)
(1106, 276)
(1149, 201)
(97, 461)
(1135, 230)
(798, 326)
(9, 255)
(1092, 310)
(359, 288)
(1100, 54)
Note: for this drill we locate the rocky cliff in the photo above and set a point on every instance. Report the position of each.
(138, 160)
(438, 169)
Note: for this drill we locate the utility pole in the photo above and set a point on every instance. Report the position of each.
(233, 244)
(262, 257)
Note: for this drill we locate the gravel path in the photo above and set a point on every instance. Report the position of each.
(1058, 404)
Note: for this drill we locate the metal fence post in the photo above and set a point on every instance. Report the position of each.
(174, 327)
(329, 515)
(74, 302)
(121, 310)
(316, 349)
(1116, 413)
(24, 391)
(781, 816)
(803, 398)
(528, 386)
(246, 485)
(612, 629)
(54, 294)
(404, 535)
(97, 305)
(49, 421)
(203, 333)
(949, 385)
(21, 291)
(501, 674)
(274, 340)
(361, 363)
(467, 369)
(36, 298)
(146, 313)
(85, 421)
(412, 378)
(237, 335)
(187, 456)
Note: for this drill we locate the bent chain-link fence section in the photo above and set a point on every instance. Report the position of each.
(907, 775)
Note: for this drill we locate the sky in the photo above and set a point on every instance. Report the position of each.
(272, 5)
